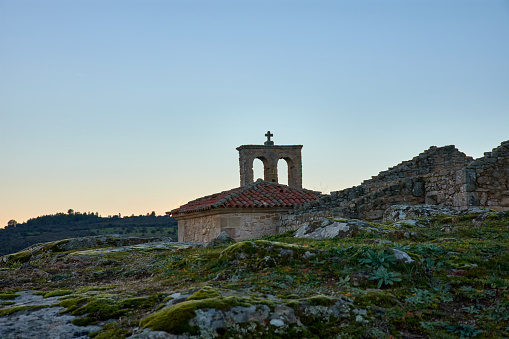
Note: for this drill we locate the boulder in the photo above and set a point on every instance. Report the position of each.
(222, 239)
(336, 228)
(403, 256)
(245, 316)
(410, 212)
(258, 254)
(405, 212)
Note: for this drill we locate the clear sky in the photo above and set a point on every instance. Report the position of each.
(136, 106)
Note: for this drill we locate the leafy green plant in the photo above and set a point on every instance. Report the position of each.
(432, 249)
(420, 296)
(442, 290)
(377, 259)
(474, 309)
(464, 331)
(343, 282)
(431, 265)
(401, 247)
(431, 325)
(476, 294)
(385, 277)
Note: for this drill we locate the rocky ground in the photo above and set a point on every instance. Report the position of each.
(420, 274)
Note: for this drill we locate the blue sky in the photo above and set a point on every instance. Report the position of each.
(133, 106)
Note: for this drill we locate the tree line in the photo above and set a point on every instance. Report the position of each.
(17, 236)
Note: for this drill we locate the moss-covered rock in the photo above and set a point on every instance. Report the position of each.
(262, 253)
(57, 293)
(175, 319)
(204, 293)
(8, 296)
(9, 310)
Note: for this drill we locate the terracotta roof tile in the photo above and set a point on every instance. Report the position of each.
(258, 194)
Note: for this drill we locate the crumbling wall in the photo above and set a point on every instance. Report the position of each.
(440, 176)
(488, 179)
(429, 177)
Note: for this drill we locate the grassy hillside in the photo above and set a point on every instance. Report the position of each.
(59, 226)
(456, 286)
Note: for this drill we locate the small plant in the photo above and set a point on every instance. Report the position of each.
(343, 282)
(385, 277)
(475, 294)
(378, 259)
(500, 283)
(473, 309)
(431, 325)
(420, 296)
(442, 290)
(429, 249)
(464, 331)
(401, 247)
(431, 265)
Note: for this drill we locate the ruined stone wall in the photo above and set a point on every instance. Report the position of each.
(430, 176)
(291, 222)
(487, 182)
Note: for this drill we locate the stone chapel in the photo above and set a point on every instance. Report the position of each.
(253, 209)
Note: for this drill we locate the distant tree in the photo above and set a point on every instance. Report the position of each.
(153, 214)
(12, 223)
(70, 211)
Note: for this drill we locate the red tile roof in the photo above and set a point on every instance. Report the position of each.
(258, 194)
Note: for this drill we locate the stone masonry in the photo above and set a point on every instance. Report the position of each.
(245, 224)
(440, 176)
(270, 154)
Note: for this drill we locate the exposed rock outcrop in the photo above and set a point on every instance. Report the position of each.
(336, 228)
(222, 239)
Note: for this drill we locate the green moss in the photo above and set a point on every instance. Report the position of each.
(376, 298)
(204, 293)
(8, 296)
(290, 296)
(71, 304)
(321, 300)
(10, 310)
(57, 293)
(39, 293)
(100, 309)
(5, 303)
(293, 303)
(84, 321)
(260, 254)
(175, 319)
(111, 331)
(20, 257)
(96, 288)
(136, 303)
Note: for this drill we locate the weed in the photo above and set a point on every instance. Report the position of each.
(464, 331)
(421, 297)
(385, 277)
(378, 259)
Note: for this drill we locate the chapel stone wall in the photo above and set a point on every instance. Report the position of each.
(240, 226)
(200, 229)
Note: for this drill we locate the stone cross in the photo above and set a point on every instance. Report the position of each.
(269, 142)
